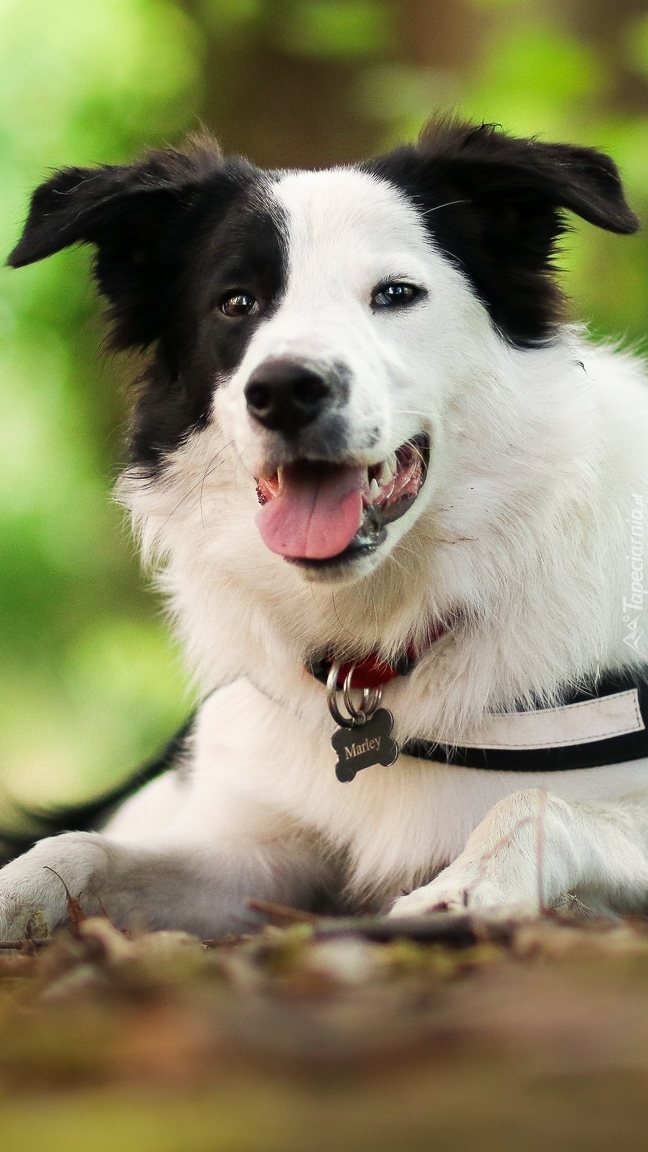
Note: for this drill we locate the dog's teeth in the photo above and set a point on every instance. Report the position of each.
(387, 471)
(374, 489)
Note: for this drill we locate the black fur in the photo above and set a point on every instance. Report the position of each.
(494, 204)
(172, 233)
(239, 248)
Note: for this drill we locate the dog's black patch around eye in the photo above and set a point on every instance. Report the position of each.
(243, 250)
(164, 229)
(495, 205)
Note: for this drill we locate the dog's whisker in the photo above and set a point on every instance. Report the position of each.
(448, 204)
(199, 484)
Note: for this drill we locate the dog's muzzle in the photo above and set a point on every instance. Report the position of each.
(316, 513)
(320, 506)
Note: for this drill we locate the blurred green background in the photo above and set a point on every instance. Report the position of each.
(90, 683)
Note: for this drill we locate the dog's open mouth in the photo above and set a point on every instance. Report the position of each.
(314, 512)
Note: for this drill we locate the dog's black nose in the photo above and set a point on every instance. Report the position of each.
(286, 396)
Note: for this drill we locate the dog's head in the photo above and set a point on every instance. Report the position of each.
(320, 317)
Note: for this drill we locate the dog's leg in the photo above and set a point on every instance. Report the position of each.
(533, 848)
(162, 883)
(186, 851)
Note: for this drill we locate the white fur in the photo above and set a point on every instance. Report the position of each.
(520, 536)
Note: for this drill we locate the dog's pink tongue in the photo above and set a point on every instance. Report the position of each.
(316, 514)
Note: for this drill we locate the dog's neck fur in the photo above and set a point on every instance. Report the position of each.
(486, 552)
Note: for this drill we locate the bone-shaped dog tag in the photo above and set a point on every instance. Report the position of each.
(365, 744)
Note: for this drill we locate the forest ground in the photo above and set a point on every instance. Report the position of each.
(320, 1035)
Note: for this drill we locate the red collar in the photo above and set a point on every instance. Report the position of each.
(372, 671)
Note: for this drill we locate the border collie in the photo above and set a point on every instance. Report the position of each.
(397, 506)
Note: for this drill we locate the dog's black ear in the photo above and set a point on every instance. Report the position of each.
(490, 165)
(139, 217)
(496, 205)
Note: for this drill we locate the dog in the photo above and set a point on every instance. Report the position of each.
(396, 503)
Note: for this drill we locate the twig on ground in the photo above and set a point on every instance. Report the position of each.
(459, 930)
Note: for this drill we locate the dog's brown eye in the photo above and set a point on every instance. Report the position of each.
(239, 304)
(394, 295)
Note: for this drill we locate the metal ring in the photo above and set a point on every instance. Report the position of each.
(331, 695)
(368, 704)
(371, 698)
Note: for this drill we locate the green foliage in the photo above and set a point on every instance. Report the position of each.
(220, 16)
(88, 682)
(534, 73)
(539, 80)
(636, 41)
(337, 28)
(496, 4)
(78, 84)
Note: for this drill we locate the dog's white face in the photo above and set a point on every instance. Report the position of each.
(335, 408)
(311, 329)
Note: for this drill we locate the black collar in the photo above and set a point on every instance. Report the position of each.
(606, 723)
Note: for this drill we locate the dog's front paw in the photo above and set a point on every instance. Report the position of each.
(465, 893)
(35, 889)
